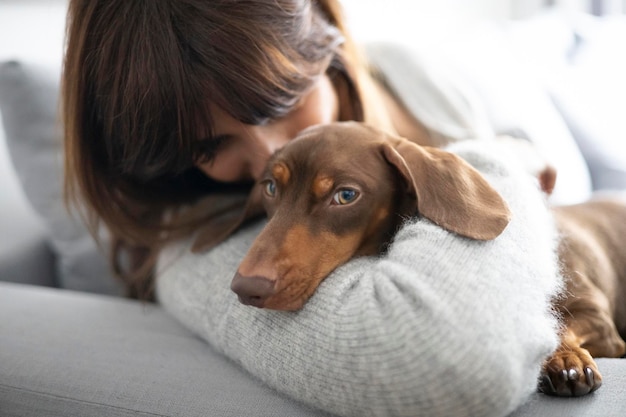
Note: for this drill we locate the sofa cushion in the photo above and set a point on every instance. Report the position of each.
(28, 103)
(608, 401)
(65, 353)
(25, 255)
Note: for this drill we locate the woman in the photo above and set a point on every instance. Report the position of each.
(170, 103)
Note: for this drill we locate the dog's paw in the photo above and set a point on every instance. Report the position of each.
(570, 373)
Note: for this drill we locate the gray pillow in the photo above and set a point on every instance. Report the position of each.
(598, 130)
(29, 98)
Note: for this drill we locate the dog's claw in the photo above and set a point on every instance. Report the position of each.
(546, 386)
(592, 381)
(589, 376)
(572, 375)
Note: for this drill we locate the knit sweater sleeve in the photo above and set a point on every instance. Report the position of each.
(439, 325)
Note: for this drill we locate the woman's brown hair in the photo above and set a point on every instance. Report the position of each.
(138, 77)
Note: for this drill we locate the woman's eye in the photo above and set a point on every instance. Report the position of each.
(206, 149)
(345, 196)
(270, 188)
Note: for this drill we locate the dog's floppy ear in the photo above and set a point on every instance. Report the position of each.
(449, 191)
(225, 213)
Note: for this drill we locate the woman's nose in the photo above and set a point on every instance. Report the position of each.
(267, 140)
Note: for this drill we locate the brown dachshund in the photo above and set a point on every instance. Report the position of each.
(340, 191)
(331, 195)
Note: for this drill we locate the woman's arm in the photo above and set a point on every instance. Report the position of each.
(440, 325)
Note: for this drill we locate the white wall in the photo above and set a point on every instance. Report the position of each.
(32, 30)
(403, 19)
(418, 19)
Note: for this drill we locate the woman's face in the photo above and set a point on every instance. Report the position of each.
(244, 149)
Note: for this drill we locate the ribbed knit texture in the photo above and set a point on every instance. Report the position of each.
(439, 326)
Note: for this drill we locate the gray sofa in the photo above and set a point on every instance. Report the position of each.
(71, 346)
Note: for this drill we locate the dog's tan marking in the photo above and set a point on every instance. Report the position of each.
(281, 173)
(322, 184)
(300, 272)
(382, 214)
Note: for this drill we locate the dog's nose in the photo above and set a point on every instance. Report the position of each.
(253, 290)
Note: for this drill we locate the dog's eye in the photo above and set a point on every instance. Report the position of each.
(345, 196)
(270, 188)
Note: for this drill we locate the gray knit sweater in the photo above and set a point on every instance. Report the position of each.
(439, 326)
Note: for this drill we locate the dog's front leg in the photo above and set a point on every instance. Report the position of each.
(589, 332)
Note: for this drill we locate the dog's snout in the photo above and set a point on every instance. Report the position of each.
(253, 290)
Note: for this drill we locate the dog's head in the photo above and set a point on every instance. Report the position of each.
(341, 190)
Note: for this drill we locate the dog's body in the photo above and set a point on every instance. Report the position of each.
(593, 261)
(342, 191)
